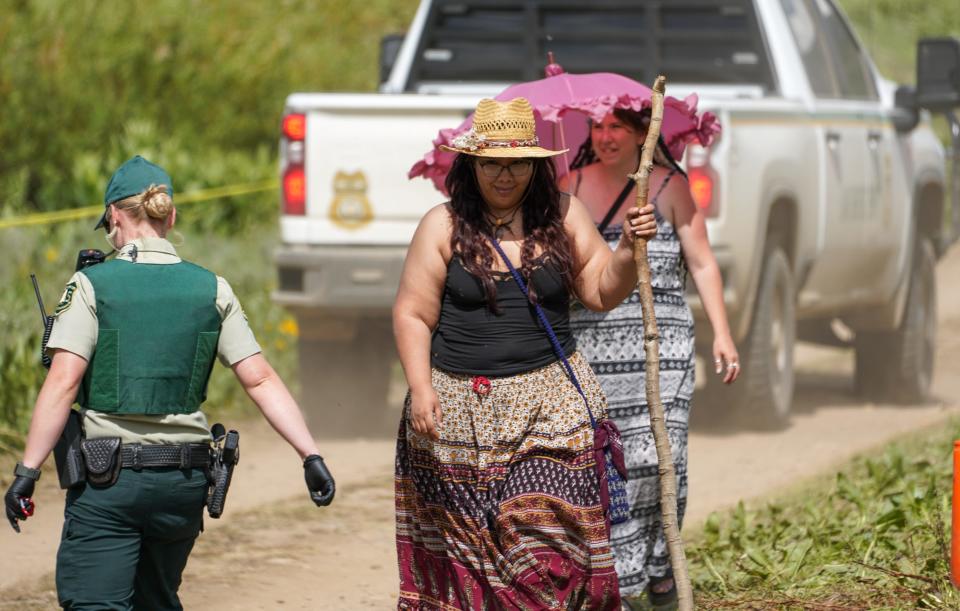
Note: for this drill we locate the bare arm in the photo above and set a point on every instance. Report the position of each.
(277, 405)
(603, 278)
(50, 412)
(692, 231)
(416, 312)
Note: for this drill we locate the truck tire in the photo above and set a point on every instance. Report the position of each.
(897, 366)
(766, 393)
(344, 384)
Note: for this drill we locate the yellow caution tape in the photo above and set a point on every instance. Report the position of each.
(46, 218)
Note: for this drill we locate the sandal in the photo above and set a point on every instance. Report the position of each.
(663, 601)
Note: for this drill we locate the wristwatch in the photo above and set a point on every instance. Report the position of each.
(23, 471)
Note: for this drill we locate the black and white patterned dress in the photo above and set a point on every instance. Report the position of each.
(613, 344)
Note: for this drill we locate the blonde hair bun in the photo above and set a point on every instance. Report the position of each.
(157, 202)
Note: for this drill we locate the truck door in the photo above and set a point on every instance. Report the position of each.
(873, 217)
(844, 111)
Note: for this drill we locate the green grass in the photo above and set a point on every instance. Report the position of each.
(890, 30)
(873, 536)
(195, 86)
(204, 80)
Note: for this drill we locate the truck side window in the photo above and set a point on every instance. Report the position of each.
(856, 81)
(813, 48)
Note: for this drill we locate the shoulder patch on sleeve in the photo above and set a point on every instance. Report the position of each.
(66, 299)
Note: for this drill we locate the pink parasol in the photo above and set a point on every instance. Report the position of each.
(562, 105)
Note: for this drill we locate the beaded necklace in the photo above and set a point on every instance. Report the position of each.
(501, 223)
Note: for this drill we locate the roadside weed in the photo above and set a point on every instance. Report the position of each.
(874, 536)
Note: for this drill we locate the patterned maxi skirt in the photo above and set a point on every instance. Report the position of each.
(503, 512)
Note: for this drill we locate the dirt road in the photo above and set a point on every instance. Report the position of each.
(275, 550)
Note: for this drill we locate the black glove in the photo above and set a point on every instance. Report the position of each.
(17, 500)
(319, 481)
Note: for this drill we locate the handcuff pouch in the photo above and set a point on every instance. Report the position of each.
(102, 458)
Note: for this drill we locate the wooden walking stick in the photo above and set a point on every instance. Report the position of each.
(651, 345)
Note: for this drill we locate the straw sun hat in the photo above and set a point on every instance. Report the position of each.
(501, 129)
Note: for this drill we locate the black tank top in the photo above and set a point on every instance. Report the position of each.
(471, 339)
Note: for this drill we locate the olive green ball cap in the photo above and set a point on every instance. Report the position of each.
(134, 176)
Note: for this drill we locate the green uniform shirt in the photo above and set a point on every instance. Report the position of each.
(75, 329)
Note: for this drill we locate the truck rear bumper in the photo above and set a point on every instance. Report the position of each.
(338, 280)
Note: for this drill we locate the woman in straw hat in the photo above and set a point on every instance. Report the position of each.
(498, 502)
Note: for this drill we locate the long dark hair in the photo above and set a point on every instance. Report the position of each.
(542, 225)
(639, 121)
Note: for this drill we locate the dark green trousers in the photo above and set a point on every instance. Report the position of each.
(125, 547)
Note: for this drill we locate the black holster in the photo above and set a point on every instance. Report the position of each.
(102, 459)
(67, 454)
(226, 455)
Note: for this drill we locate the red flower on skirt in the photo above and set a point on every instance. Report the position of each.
(481, 385)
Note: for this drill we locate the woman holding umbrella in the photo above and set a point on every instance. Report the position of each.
(497, 496)
(613, 342)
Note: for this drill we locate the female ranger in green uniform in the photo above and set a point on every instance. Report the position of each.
(133, 343)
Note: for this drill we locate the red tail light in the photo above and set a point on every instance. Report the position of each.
(701, 187)
(703, 180)
(294, 130)
(294, 191)
(295, 126)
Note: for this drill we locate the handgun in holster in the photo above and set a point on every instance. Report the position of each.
(71, 469)
(226, 455)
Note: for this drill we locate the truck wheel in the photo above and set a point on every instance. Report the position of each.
(767, 384)
(897, 366)
(344, 384)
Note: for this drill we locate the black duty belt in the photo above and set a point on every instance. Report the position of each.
(184, 455)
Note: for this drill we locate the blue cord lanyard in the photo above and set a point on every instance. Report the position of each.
(557, 348)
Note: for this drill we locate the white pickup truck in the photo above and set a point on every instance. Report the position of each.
(825, 193)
